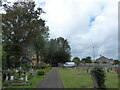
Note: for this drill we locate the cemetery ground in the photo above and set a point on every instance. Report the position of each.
(34, 77)
(70, 78)
(78, 78)
(34, 82)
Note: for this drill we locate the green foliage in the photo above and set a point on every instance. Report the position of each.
(99, 74)
(4, 59)
(104, 62)
(58, 51)
(76, 60)
(41, 73)
(42, 66)
(116, 62)
(12, 61)
(86, 60)
(25, 33)
(22, 29)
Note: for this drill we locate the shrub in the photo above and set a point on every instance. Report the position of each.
(42, 66)
(12, 60)
(104, 62)
(41, 73)
(99, 76)
(26, 67)
(4, 77)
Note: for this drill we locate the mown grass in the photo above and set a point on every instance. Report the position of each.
(75, 78)
(72, 78)
(111, 80)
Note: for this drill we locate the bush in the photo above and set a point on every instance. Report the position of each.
(26, 67)
(41, 73)
(99, 76)
(42, 66)
(12, 61)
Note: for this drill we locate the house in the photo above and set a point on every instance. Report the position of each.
(102, 59)
(24, 61)
(111, 61)
(34, 60)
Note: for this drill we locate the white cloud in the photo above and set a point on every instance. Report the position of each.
(71, 19)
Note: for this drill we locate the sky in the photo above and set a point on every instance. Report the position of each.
(84, 23)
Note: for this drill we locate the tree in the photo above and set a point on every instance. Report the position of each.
(104, 62)
(86, 60)
(4, 59)
(116, 62)
(76, 60)
(22, 29)
(58, 51)
(12, 61)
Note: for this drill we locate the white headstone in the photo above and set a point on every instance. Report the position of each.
(26, 78)
(21, 78)
(6, 78)
(12, 78)
(32, 70)
(17, 71)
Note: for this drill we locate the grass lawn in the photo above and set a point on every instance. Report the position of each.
(35, 81)
(111, 80)
(72, 78)
(75, 78)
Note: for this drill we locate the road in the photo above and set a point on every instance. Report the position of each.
(52, 80)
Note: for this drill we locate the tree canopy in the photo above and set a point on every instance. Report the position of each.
(59, 51)
(86, 60)
(24, 34)
(23, 29)
(76, 60)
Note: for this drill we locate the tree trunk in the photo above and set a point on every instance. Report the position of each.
(37, 56)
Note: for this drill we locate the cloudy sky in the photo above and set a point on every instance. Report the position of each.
(85, 23)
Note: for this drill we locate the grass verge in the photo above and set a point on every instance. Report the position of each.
(72, 78)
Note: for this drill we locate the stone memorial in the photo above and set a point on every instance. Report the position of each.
(26, 78)
(21, 78)
(12, 78)
(6, 78)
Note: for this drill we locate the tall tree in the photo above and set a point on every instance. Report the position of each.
(21, 25)
(59, 51)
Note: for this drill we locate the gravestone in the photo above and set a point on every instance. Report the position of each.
(21, 78)
(12, 78)
(26, 78)
(6, 78)
(16, 71)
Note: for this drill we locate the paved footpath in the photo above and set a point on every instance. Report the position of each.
(52, 80)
